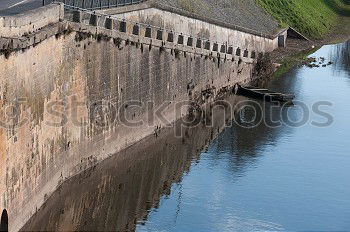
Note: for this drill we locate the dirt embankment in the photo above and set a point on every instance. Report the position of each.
(297, 50)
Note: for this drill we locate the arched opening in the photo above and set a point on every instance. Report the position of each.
(4, 221)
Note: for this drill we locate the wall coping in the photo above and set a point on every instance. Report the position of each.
(31, 21)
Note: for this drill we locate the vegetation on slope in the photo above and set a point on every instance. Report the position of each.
(243, 13)
(313, 18)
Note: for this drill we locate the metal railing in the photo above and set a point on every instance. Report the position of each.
(95, 4)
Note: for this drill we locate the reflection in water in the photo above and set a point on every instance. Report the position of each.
(284, 178)
(341, 56)
(117, 193)
(261, 178)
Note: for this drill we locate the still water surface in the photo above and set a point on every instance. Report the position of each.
(273, 179)
(283, 178)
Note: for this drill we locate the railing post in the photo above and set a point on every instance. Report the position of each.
(199, 43)
(100, 4)
(77, 17)
(109, 3)
(122, 26)
(93, 19)
(223, 48)
(43, 2)
(207, 45)
(215, 47)
(148, 32)
(190, 41)
(170, 37)
(83, 4)
(230, 50)
(92, 4)
(159, 34)
(136, 29)
(109, 23)
(180, 39)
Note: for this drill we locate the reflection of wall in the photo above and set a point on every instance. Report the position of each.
(341, 56)
(245, 141)
(118, 192)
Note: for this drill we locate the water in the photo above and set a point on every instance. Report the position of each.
(262, 178)
(273, 179)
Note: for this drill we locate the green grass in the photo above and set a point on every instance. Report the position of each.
(312, 18)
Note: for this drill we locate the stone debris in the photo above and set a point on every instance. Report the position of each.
(313, 62)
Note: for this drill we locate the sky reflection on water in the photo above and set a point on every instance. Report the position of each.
(273, 179)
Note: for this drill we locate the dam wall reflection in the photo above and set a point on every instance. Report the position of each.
(120, 191)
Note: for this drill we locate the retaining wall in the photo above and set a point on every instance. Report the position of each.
(91, 65)
(201, 29)
(68, 82)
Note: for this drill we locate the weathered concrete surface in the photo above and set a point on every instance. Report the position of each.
(233, 23)
(30, 21)
(201, 29)
(36, 156)
(243, 13)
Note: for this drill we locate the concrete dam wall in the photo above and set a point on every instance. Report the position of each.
(198, 26)
(63, 86)
(202, 30)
